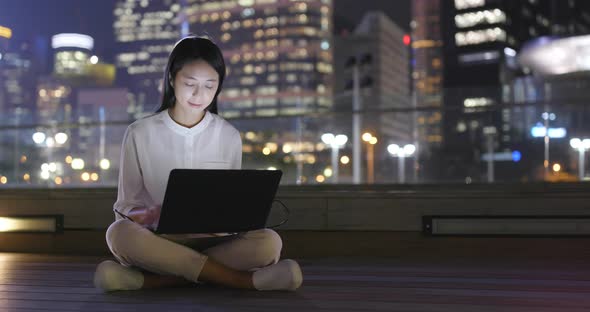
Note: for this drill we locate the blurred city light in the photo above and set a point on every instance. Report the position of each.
(393, 149)
(50, 142)
(548, 57)
(367, 136)
(85, 176)
(539, 131)
(105, 164)
(5, 32)
(61, 138)
(287, 148)
(39, 137)
(68, 40)
(344, 160)
(52, 167)
(77, 164)
(94, 176)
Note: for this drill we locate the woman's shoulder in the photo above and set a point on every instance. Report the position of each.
(145, 122)
(226, 126)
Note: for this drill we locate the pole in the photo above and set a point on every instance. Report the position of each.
(400, 170)
(581, 163)
(101, 147)
(334, 163)
(371, 164)
(490, 145)
(17, 147)
(548, 95)
(356, 127)
(546, 154)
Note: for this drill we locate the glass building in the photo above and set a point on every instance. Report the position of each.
(278, 53)
(145, 32)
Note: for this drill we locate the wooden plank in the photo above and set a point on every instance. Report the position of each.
(62, 283)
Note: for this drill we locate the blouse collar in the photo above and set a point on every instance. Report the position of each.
(182, 130)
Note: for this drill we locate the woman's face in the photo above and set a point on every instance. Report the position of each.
(195, 86)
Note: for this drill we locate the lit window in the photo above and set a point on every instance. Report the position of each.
(479, 57)
(471, 19)
(480, 36)
(466, 4)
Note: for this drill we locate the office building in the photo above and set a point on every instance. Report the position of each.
(278, 53)
(145, 33)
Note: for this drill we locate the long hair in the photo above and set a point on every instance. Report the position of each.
(186, 50)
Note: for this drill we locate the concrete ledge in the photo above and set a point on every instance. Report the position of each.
(334, 208)
(351, 244)
(325, 220)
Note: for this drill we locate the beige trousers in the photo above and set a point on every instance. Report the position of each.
(136, 246)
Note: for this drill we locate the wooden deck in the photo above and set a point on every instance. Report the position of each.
(30, 282)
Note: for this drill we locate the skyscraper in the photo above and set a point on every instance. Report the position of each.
(376, 48)
(427, 72)
(145, 33)
(278, 53)
(480, 68)
(17, 81)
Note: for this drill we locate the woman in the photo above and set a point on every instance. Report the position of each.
(185, 132)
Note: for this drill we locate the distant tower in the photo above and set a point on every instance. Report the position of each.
(427, 83)
(278, 53)
(72, 53)
(145, 33)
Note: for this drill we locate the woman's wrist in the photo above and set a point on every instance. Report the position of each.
(138, 215)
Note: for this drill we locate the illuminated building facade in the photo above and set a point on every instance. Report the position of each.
(145, 33)
(72, 53)
(17, 80)
(376, 48)
(377, 45)
(427, 71)
(481, 71)
(54, 101)
(278, 53)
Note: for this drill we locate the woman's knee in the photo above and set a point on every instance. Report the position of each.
(120, 231)
(271, 245)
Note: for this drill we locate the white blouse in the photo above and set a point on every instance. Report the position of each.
(155, 145)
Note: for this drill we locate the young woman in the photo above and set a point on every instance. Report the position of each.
(185, 132)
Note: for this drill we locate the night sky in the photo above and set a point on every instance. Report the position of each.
(29, 18)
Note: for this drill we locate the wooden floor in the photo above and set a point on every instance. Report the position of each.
(62, 283)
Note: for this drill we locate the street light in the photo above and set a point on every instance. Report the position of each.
(61, 138)
(335, 142)
(581, 145)
(39, 137)
(401, 153)
(355, 62)
(369, 138)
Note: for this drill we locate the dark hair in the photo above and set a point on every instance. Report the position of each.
(187, 50)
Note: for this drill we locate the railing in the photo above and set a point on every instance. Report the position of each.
(499, 137)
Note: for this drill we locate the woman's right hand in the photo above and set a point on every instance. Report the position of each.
(148, 216)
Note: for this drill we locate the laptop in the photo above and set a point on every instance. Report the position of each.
(217, 200)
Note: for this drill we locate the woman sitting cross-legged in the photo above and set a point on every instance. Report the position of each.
(185, 132)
